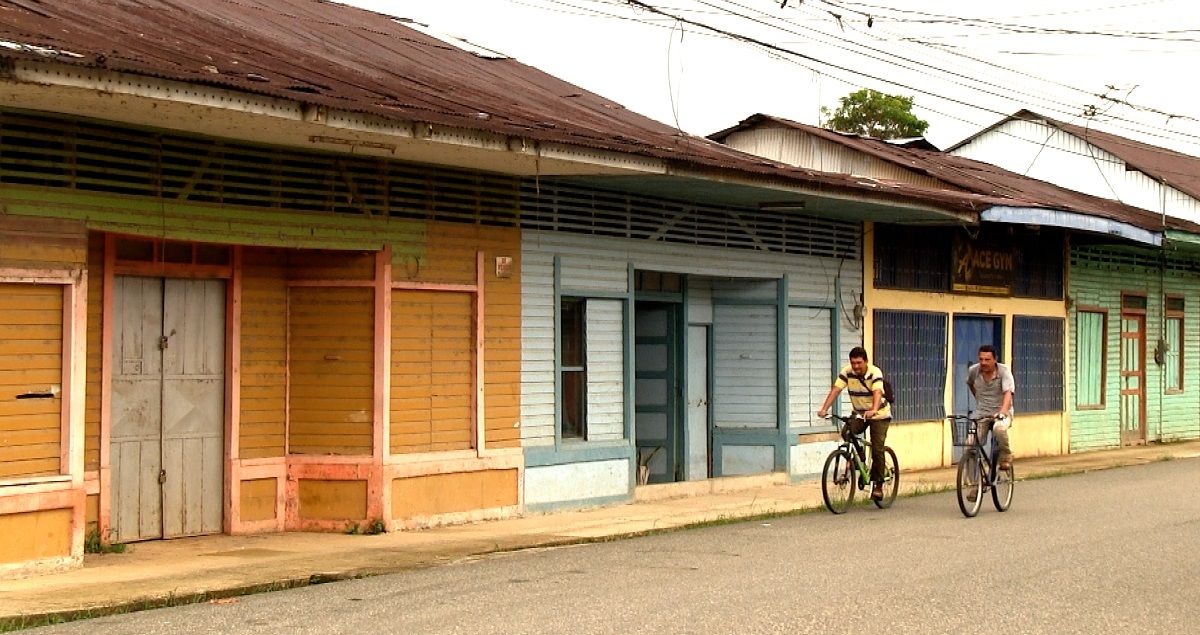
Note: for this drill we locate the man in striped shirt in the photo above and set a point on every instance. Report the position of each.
(864, 383)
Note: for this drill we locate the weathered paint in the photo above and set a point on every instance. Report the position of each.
(258, 499)
(35, 535)
(928, 444)
(332, 500)
(576, 483)
(174, 220)
(424, 496)
(1098, 278)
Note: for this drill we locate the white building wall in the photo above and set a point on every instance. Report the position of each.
(1043, 152)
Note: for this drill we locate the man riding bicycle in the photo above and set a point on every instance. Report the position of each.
(864, 383)
(992, 384)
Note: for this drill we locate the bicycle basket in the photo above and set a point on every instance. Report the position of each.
(961, 428)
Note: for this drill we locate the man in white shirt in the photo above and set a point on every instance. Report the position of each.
(992, 384)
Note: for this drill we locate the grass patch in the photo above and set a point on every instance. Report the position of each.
(93, 544)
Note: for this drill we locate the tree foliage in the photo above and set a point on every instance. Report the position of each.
(874, 114)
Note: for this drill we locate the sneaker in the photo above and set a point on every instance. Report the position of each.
(970, 496)
(877, 492)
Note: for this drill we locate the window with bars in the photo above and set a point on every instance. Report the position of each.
(1173, 357)
(914, 258)
(910, 349)
(1038, 364)
(1090, 349)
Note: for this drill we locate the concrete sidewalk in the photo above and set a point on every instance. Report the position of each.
(161, 573)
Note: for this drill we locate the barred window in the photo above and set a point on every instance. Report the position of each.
(910, 349)
(1038, 364)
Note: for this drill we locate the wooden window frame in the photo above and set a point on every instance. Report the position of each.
(1103, 313)
(1180, 314)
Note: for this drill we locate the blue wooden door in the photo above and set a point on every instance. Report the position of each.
(971, 332)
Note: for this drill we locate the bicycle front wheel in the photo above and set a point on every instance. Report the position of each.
(970, 483)
(891, 479)
(1002, 491)
(837, 481)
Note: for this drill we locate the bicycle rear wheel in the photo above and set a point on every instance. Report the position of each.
(1002, 490)
(970, 483)
(838, 481)
(891, 479)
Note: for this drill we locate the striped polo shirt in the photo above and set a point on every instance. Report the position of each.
(862, 388)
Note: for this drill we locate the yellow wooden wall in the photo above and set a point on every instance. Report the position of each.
(264, 353)
(433, 341)
(258, 499)
(31, 328)
(450, 258)
(95, 333)
(332, 355)
(35, 535)
(452, 493)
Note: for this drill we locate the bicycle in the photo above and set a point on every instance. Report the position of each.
(848, 468)
(977, 469)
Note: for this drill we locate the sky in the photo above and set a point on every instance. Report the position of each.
(1123, 66)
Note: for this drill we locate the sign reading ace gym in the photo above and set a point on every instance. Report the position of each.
(983, 266)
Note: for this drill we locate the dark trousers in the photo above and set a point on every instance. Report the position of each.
(879, 428)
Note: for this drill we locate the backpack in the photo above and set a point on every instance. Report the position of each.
(888, 394)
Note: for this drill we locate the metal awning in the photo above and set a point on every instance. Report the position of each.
(1071, 220)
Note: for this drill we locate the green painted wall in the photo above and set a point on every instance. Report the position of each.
(143, 216)
(1098, 277)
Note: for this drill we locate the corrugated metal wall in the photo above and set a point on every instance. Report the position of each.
(744, 368)
(796, 147)
(1098, 277)
(1046, 153)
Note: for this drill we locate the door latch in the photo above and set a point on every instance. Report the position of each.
(162, 343)
(162, 477)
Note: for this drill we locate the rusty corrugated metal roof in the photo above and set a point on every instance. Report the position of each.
(978, 177)
(319, 52)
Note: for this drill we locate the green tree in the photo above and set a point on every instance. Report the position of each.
(874, 114)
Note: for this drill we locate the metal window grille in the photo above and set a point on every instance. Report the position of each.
(910, 349)
(1038, 364)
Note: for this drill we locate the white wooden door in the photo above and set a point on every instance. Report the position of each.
(167, 408)
(193, 406)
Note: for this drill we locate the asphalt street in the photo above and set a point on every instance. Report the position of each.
(1103, 552)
